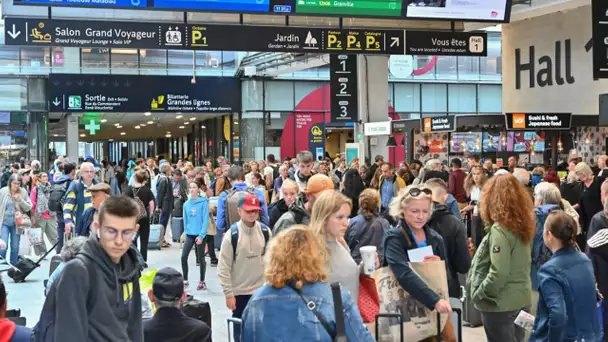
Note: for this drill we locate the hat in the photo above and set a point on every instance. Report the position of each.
(250, 202)
(318, 183)
(21, 172)
(168, 284)
(103, 187)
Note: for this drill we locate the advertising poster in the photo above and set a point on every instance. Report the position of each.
(304, 127)
(528, 142)
(436, 146)
(466, 142)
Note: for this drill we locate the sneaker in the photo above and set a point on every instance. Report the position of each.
(201, 286)
(198, 263)
(186, 284)
(214, 264)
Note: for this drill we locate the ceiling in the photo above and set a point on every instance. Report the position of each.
(176, 123)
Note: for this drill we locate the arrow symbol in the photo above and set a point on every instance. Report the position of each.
(56, 83)
(116, 83)
(80, 82)
(92, 82)
(68, 83)
(56, 102)
(104, 83)
(127, 84)
(14, 33)
(394, 41)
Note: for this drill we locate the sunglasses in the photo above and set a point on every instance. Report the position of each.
(415, 192)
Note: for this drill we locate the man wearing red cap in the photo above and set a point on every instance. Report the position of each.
(299, 211)
(241, 262)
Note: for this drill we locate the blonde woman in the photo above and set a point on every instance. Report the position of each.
(329, 222)
(412, 209)
(296, 275)
(590, 201)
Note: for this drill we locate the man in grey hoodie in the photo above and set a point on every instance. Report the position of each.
(97, 296)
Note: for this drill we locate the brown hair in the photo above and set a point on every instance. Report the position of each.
(141, 176)
(468, 181)
(369, 201)
(294, 254)
(506, 202)
(562, 226)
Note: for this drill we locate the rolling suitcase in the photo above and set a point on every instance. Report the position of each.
(177, 228)
(234, 322)
(470, 315)
(25, 266)
(155, 238)
(390, 315)
(197, 309)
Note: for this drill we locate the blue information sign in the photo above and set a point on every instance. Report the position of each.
(87, 3)
(214, 5)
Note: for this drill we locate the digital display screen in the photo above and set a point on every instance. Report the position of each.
(522, 142)
(465, 142)
(470, 10)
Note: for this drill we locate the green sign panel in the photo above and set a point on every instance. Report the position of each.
(389, 8)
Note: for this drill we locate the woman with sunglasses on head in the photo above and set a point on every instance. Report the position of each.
(412, 209)
(499, 282)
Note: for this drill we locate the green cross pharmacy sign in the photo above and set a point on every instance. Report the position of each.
(92, 127)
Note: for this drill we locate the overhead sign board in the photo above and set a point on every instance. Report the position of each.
(538, 121)
(109, 34)
(439, 43)
(472, 10)
(438, 124)
(138, 94)
(377, 128)
(599, 19)
(343, 88)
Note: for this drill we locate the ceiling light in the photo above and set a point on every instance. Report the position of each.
(168, 132)
(150, 122)
(83, 135)
(104, 120)
(203, 126)
(179, 116)
(119, 126)
(137, 127)
(123, 133)
(147, 113)
(142, 125)
(236, 122)
(182, 127)
(55, 135)
(186, 123)
(192, 119)
(168, 136)
(110, 139)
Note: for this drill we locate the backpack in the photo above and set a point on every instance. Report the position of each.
(275, 173)
(233, 198)
(140, 205)
(43, 331)
(234, 238)
(57, 196)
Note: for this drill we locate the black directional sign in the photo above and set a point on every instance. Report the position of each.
(138, 94)
(599, 20)
(343, 88)
(111, 34)
(438, 43)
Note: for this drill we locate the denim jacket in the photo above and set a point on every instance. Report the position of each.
(567, 299)
(276, 315)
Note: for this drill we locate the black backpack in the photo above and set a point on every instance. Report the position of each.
(44, 330)
(275, 173)
(57, 196)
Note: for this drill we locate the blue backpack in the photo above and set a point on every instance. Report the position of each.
(44, 330)
(234, 237)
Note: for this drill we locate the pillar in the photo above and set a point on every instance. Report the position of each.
(372, 76)
(71, 137)
(38, 146)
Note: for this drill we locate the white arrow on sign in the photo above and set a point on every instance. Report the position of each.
(56, 102)
(14, 33)
(394, 41)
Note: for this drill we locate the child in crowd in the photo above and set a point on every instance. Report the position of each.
(196, 218)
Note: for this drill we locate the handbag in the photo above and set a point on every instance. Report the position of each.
(22, 221)
(369, 299)
(339, 335)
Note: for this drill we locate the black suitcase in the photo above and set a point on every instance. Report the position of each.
(197, 309)
(25, 266)
(470, 314)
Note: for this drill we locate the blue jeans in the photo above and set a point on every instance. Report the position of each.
(12, 239)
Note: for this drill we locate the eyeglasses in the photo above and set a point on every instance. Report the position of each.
(88, 171)
(415, 192)
(111, 233)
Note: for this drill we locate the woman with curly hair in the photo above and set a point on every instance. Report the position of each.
(296, 278)
(473, 183)
(499, 279)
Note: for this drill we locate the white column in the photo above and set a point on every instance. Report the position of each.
(71, 137)
(372, 72)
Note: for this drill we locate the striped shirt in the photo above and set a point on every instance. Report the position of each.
(70, 207)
